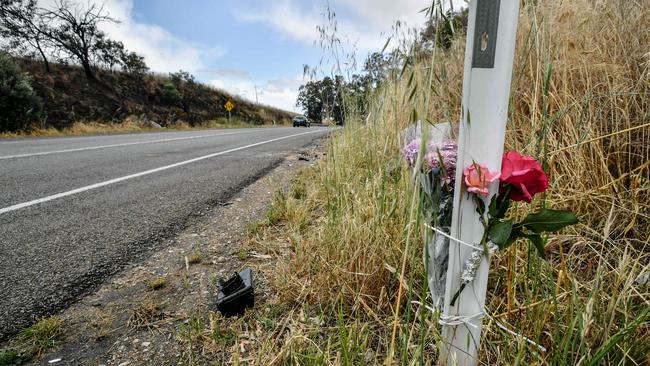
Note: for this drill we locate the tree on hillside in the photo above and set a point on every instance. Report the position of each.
(109, 53)
(74, 30)
(186, 84)
(66, 30)
(20, 26)
(133, 64)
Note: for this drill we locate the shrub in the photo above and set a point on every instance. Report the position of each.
(170, 94)
(19, 104)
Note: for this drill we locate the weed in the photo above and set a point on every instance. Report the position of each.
(156, 283)
(205, 338)
(12, 357)
(278, 208)
(100, 323)
(252, 228)
(42, 335)
(299, 190)
(194, 258)
(241, 254)
(33, 341)
(146, 313)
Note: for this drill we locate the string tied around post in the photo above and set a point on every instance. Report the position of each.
(456, 320)
(471, 320)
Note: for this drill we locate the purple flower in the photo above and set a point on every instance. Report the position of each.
(411, 151)
(447, 150)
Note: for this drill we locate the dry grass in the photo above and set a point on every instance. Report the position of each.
(580, 103)
(145, 313)
(129, 125)
(80, 128)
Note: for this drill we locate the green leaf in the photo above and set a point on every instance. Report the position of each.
(538, 242)
(515, 234)
(425, 184)
(548, 220)
(499, 205)
(500, 233)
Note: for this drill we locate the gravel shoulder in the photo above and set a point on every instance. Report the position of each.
(135, 317)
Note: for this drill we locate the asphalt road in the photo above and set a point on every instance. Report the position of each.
(75, 210)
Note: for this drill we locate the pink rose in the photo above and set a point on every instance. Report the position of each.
(478, 177)
(524, 174)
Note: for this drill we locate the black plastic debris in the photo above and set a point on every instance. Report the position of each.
(236, 294)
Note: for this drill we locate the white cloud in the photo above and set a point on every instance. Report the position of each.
(163, 52)
(381, 14)
(365, 23)
(286, 17)
(281, 93)
(228, 73)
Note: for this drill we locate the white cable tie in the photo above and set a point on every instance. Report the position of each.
(452, 238)
(456, 320)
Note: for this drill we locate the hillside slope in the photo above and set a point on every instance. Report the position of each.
(69, 97)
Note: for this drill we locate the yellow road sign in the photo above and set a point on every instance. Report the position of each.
(229, 106)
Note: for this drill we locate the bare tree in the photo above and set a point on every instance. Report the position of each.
(74, 29)
(66, 31)
(21, 25)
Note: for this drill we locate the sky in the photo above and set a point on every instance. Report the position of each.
(244, 45)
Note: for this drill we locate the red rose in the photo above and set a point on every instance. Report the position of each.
(524, 174)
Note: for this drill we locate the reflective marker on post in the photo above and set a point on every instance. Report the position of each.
(489, 55)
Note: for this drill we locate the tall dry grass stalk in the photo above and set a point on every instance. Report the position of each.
(580, 102)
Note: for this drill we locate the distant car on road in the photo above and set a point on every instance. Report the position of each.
(299, 121)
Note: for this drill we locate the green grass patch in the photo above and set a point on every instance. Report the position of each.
(33, 342)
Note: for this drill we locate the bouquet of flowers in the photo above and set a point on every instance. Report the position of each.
(521, 178)
(437, 170)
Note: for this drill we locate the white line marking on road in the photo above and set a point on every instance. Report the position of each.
(117, 145)
(136, 175)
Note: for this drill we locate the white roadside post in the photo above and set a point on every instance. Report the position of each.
(489, 55)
